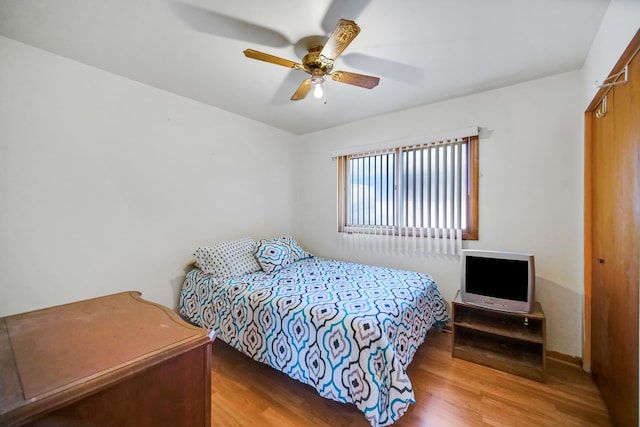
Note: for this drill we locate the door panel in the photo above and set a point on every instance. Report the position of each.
(615, 186)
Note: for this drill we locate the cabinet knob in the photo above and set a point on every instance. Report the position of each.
(600, 260)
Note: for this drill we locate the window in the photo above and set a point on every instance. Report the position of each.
(416, 190)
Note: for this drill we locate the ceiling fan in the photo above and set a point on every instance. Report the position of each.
(318, 62)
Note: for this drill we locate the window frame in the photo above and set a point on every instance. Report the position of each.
(470, 233)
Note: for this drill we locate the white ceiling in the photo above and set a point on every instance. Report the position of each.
(422, 50)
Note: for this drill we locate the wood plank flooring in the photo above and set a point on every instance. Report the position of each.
(448, 391)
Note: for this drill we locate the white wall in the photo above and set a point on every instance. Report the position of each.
(530, 188)
(109, 185)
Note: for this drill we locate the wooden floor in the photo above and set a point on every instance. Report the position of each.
(448, 392)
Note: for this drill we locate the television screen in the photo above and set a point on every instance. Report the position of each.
(498, 278)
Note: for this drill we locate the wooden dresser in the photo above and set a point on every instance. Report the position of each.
(117, 360)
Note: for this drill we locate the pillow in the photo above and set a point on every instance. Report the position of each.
(296, 250)
(273, 255)
(208, 260)
(278, 253)
(228, 259)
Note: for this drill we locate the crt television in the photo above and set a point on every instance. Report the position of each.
(499, 280)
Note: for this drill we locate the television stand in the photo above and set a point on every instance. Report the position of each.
(510, 342)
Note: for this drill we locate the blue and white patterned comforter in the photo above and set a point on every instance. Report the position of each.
(348, 330)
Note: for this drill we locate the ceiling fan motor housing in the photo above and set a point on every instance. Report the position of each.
(316, 64)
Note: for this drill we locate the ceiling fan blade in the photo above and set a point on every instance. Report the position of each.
(355, 79)
(343, 34)
(281, 95)
(346, 9)
(210, 22)
(386, 68)
(254, 54)
(302, 91)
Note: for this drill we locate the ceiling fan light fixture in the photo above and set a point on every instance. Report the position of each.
(318, 86)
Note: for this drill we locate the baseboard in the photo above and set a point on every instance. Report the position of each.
(561, 357)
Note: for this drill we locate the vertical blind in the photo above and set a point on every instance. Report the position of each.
(411, 198)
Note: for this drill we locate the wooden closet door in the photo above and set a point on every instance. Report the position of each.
(615, 185)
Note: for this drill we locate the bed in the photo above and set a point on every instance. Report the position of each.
(348, 330)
